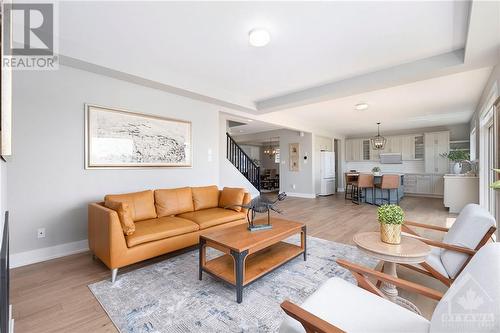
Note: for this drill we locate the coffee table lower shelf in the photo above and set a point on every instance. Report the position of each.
(254, 266)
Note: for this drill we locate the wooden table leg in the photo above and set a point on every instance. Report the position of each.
(388, 289)
(203, 257)
(239, 271)
(303, 241)
(391, 291)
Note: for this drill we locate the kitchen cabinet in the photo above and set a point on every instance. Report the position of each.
(424, 184)
(436, 143)
(358, 150)
(393, 144)
(408, 147)
(460, 190)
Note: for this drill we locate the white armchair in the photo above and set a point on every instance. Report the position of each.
(472, 229)
(472, 303)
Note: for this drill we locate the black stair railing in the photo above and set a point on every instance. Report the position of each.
(242, 162)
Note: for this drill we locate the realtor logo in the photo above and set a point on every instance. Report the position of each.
(470, 308)
(28, 36)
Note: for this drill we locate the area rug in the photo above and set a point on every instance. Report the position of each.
(168, 297)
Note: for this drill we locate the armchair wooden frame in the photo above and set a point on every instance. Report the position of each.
(426, 268)
(314, 324)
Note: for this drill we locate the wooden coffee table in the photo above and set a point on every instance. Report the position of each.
(248, 255)
(410, 251)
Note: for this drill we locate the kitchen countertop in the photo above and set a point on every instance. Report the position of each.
(459, 176)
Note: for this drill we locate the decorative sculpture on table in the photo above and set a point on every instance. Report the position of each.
(262, 205)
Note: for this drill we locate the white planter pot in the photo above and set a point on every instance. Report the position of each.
(376, 173)
(457, 168)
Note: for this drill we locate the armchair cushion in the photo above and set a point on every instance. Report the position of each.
(124, 214)
(231, 198)
(434, 260)
(142, 204)
(469, 228)
(173, 201)
(205, 197)
(353, 309)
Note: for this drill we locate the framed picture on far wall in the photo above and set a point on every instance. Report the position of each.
(294, 157)
(117, 138)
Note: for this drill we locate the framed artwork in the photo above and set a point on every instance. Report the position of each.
(121, 139)
(294, 156)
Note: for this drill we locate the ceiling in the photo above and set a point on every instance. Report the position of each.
(445, 100)
(323, 56)
(203, 46)
(241, 126)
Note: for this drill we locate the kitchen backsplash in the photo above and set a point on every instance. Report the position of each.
(406, 167)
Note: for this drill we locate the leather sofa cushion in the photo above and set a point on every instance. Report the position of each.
(207, 218)
(205, 197)
(141, 204)
(160, 228)
(232, 198)
(170, 202)
(124, 214)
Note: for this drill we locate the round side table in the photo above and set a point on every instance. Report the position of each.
(410, 251)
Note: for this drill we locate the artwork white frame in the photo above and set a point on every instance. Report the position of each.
(117, 147)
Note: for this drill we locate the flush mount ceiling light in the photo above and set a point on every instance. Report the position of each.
(378, 141)
(361, 106)
(259, 37)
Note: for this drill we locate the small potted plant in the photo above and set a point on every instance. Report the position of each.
(376, 171)
(391, 217)
(457, 156)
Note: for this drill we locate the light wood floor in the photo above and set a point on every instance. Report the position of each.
(53, 296)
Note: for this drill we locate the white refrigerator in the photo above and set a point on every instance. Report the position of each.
(327, 173)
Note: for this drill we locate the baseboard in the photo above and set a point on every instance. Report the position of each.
(301, 195)
(47, 253)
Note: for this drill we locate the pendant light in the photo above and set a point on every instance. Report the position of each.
(270, 150)
(378, 141)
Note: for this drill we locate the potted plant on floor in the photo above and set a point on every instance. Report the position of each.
(457, 156)
(376, 171)
(391, 217)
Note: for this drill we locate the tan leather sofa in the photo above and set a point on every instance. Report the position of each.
(164, 221)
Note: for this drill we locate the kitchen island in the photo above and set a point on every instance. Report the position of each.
(378, 193)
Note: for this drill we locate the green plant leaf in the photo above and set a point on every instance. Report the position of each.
(496, 170)
(495, 185)
(390, 214)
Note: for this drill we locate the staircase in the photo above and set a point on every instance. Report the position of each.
(242, 162)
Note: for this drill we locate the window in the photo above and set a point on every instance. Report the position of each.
(277, 156)
(473, 155)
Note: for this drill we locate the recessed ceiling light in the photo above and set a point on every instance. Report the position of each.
(249, 120)
(361, 106)
(259, 37)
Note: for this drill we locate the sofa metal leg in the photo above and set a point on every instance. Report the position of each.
(114, 272)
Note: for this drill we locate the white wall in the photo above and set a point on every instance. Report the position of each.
(47, 184)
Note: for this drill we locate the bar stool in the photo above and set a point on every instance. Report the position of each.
(365, 181)
(389, 183)
(349, 185)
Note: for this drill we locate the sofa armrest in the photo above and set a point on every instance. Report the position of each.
(106, 238)
(246, 200)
